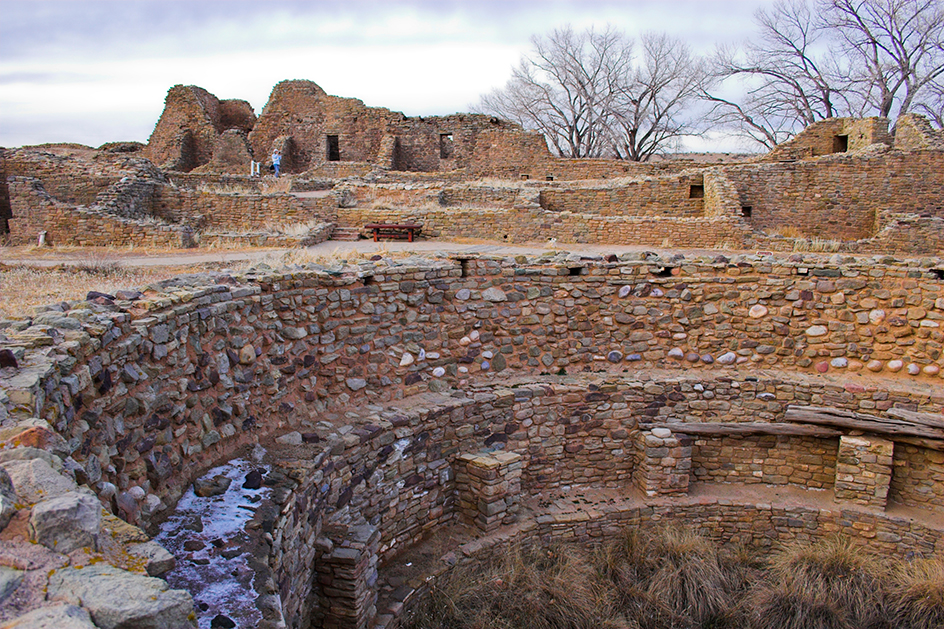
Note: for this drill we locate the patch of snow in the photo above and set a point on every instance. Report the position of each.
(220, 585)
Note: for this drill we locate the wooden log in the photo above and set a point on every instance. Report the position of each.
(930, 444)
(747, 428)
(915, 417)
(842, 418)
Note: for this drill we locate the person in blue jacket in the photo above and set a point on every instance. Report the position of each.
(276, 161)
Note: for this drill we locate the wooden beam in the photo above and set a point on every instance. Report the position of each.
(747, 428)
(842, 418)
(915, 417)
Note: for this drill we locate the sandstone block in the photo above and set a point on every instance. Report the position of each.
(116, 598)
(66, 522)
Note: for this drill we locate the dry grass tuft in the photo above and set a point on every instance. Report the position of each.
(520, 588)
(829, 584)
(917, 594)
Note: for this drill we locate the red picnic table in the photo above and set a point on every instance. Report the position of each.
(394, 230)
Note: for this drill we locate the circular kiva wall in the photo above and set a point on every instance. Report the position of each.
(757, 399)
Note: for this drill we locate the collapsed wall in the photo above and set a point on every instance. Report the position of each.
(654, 377)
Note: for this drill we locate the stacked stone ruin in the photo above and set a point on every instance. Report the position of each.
(847, 184)
(756, 398)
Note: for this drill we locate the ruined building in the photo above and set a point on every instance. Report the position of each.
(842, 184)
(477, 401)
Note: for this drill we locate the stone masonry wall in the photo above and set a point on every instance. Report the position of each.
(671, 197)
(767, 459)
(149, 391)
(291, 346)
(525, 224)
(240, 211)
(840, 196)
(34, 212)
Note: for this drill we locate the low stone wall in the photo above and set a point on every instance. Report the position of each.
(682, 196)
(240, 211)
(526, 225)
(34, 211)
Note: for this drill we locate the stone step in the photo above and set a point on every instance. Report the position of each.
(346, 233)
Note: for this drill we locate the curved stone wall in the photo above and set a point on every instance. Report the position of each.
(383, 382)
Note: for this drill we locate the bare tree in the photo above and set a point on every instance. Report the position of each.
(789, 75)
(589, 97)
(649, 114)
(831, 58)
(565, 89)
(896, 46)
(932, 105)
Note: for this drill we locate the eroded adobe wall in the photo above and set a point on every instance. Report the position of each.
(840, 196)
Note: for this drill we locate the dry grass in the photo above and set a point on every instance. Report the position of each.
(671, 578)
(833, 584)
(24, 287)
(917, 594)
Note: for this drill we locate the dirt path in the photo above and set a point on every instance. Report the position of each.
(178, 257)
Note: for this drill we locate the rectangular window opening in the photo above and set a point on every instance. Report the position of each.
(446, 146)
(696, 191)
(746, 211)
(525, 177)
(334, 149)
(549, 178)
(840, 144)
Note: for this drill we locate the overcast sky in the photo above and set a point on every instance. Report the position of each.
(98, 71)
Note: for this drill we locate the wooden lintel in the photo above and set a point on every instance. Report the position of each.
(841, 418)
(925, 419)
(748, 428)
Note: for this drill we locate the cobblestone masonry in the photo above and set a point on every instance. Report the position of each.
(147, 390)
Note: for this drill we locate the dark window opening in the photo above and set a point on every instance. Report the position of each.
(549, 178)
(840, 144)
(696, 191)
(746, 211)
(334, 149)
(526, 176)
(446, 146)
(663, 272)
(464, 267)
(368, 280)
(939, 273)
(576, 270)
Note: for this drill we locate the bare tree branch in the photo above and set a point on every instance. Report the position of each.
(590, 97)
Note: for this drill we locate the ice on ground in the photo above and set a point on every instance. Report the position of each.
(219, 585)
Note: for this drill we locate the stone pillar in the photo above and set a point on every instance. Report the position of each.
(347, 577)
(663, 462)
(864, 470)
(489, 487)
